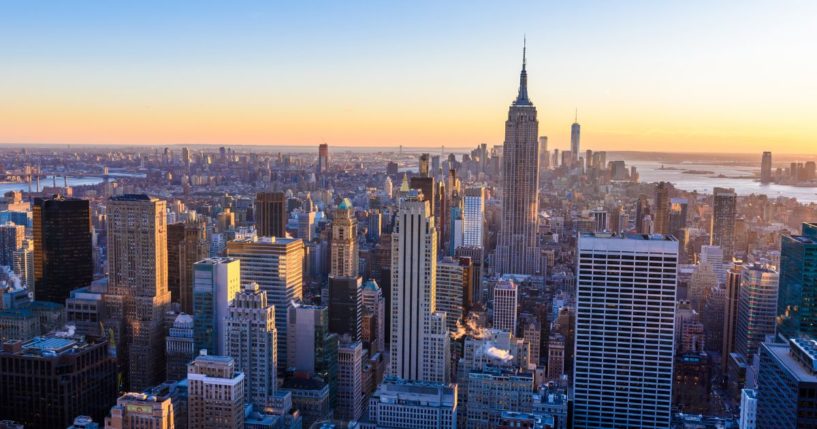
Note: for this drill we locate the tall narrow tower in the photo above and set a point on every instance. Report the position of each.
(517, 250)
(575, 137)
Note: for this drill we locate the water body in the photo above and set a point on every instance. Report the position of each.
(49, 181)
(650, 171)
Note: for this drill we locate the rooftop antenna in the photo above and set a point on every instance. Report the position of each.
(576, 118)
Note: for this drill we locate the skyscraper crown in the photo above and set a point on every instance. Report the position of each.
(522, 98)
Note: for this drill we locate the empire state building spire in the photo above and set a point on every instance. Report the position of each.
(522, 98)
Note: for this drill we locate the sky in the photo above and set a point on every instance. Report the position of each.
(726, 76)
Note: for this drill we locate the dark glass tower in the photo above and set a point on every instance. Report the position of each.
(62, 247)
(271, 214)
(797, 296)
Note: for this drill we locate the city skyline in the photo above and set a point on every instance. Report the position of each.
(397, 75)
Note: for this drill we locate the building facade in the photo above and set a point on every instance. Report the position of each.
(215, 283)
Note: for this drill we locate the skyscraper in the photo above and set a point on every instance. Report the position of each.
(639, 310)
(323, 158)
(271, 214)
(575, 136)
(216, 393)
(345, 286)
(63, 253)
(11, 239)
(505, 303)
(796, 307)
(787, 385)
(423, 169)
(453, 289)
(186, 244)
(216, 281)
(730, 313)
(180, 348)
(137, 295)
(312, 349)
(757, 303)
(662, 209)
(250, 339)
(474, 217)
(374, 304)
(344, 257)
(722, 231)
(276, 264)
(517, 248)
(419, 338)
(766, 168)
(350, 397)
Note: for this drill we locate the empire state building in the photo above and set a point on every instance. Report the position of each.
(517, 250)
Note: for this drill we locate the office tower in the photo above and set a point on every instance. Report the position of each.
(787, 385)
(141, 411)
(392, 168)
(454, 285)
(413, 404)
(422, 170)
(63, 254)
(271, 214)
(313, 350)
(346, 306)
(701, 283)
(642, 210)
(250, 339)
(517, 248)
(506, 296)
(419, 338)
(216, 392)
(23, 264)
(426, 185)
(575, 136)
(677, 215)
(180, 347)
(374, 304)
(796, 308)
(11, 239)
(766, 168)
(639, 301)
(47, 381)
(349, 404)
(276, 264)
(722, 231)
(323, 158)
(186, 245)
(599, 217)
(757, 307)
(216, 281)
(662, 209)
(344, 256)
(375, 225)
(137, 296)
(532, 334)
(730, 312)
(306, 226)
(186, 156)
(544, 155)
(474, 217)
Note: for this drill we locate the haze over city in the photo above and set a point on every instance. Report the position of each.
(691, 76)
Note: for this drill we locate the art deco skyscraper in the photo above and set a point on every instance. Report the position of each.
(722, 231)
(626, 382)
(271, 214)
(419, 338)
(251, 340)
(137, 295)
(63, 253)
(345, 286)
(344, 258)
(517, 249)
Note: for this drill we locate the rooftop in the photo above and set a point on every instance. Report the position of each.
(640, 237)
(786, 356)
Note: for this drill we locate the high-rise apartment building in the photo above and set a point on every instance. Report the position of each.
(506, 300)
(63, 253)
(276, 264)
(47, 381)
(11, 239)
(419, 338)
(215, 393)
(787, 385)
(137, 296)
(271, 214)
(454, 284)
(180, 347)
(796, 307)
(634, 279)
(473, 230)
(215, 283)
(250, 339)
(724, 213)
(141, 411)
(757, 307)
(766, 168)
(662, 209)
(349, 403)
(517, 248)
